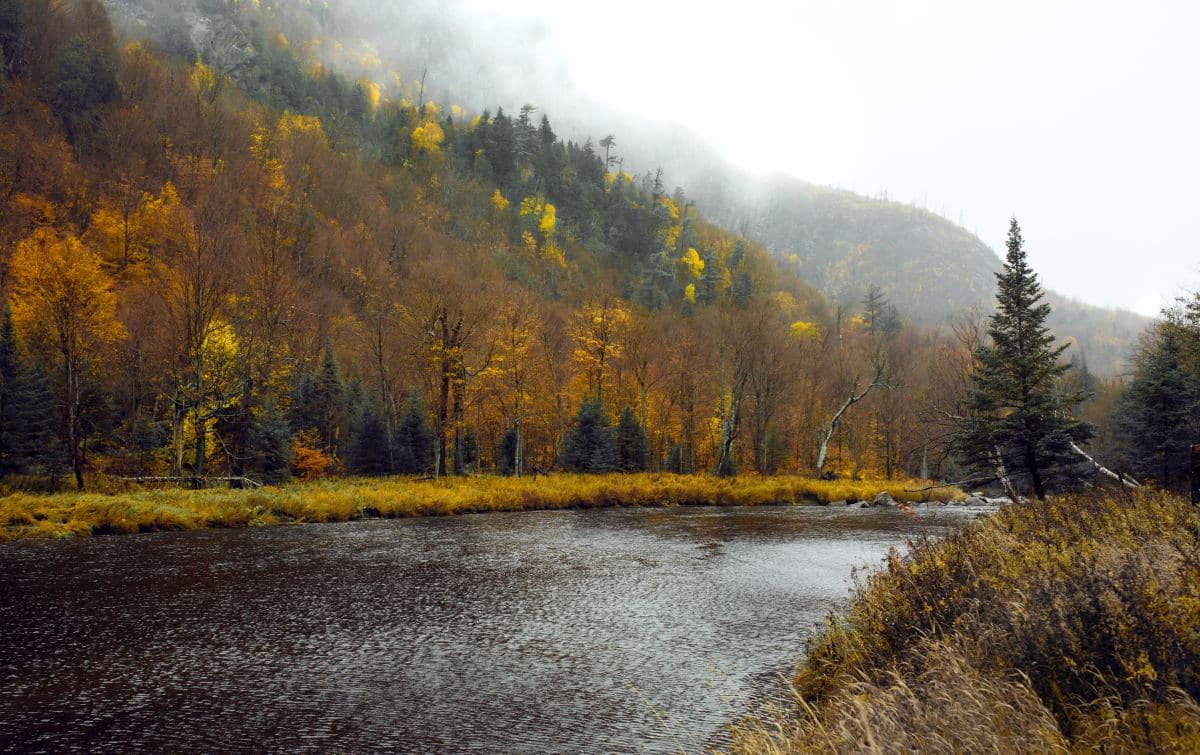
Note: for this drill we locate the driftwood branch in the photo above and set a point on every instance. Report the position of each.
(1128, 482)
(198, 481)
(938, 486)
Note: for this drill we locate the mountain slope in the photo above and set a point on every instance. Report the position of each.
(932, 269)
(842, 242)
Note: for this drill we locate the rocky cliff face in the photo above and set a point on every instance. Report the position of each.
(189, 29)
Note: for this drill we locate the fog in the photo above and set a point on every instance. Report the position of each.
(1079, 119)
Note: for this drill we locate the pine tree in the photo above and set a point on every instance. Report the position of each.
(27, 441)
(506, 453)
(591, 445)
(270, 447)
(631, 442)
(1158, 413)
(319, 406)
(369, 452)
(414, 439)
(1018, 419)
(879, 314)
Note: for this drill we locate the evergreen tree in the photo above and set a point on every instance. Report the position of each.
(85, 79)
(631, 442)
(14, 20)
(743, 287)
(1017, 415)
(27, 418)
(319, 406)
(270, 447)
(591, 445)
(1158, 413)
(879, 314)
(369, 452)
(414, 439)
(506, 453)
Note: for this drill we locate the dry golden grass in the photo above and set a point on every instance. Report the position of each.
(1065, 625)
(68, 514)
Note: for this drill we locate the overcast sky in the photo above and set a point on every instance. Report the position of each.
(1082, 118)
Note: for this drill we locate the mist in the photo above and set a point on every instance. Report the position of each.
(1079, 121)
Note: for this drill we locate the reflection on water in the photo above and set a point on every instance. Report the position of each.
(618, 629)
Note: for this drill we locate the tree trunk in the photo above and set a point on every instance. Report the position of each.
(823, 447)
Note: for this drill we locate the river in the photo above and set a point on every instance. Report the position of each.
(631, 630)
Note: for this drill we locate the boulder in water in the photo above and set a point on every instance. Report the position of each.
(884, 499)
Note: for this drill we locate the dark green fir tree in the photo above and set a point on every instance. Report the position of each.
(369, 452)
(1019, 422)
(591, 444)
(270, 447)
(631, 442)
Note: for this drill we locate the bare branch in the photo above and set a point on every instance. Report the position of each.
(1128, 482)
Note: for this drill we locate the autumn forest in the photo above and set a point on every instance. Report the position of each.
(290, 275)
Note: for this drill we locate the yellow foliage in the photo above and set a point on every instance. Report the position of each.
(294, 124)
(62, 297)
(554, 254)
(692, 261)
(498, 201)
(281, 40)
(548, 221)
(672, 208)
(428, 138)
(371, 89)
(205, 81)
(689, 293)
(530, 242)
(456, 111)
(805, 330)
(530, 206)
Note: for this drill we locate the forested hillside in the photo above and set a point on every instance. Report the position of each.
(300, 277)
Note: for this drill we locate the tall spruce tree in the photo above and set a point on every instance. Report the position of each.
(27, 417)
(1019, 422)
(1158, 412)
(369, 452)
(414, 439)
(880, 316)
(591, 444)
(319, 406)
(631, 442)
(270, 446)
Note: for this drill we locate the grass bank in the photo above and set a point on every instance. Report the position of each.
(25, 515)
(71, 514)
(1049, 627)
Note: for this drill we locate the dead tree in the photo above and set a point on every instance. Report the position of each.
(878, 380)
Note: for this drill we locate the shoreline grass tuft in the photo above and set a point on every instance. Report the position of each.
(1051, 626)
(68, 514)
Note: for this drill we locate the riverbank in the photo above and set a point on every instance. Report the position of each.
(1059, 626)
(71, 514)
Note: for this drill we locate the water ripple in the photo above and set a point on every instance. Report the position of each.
(581, 631)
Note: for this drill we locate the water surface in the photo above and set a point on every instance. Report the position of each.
(637, 630)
